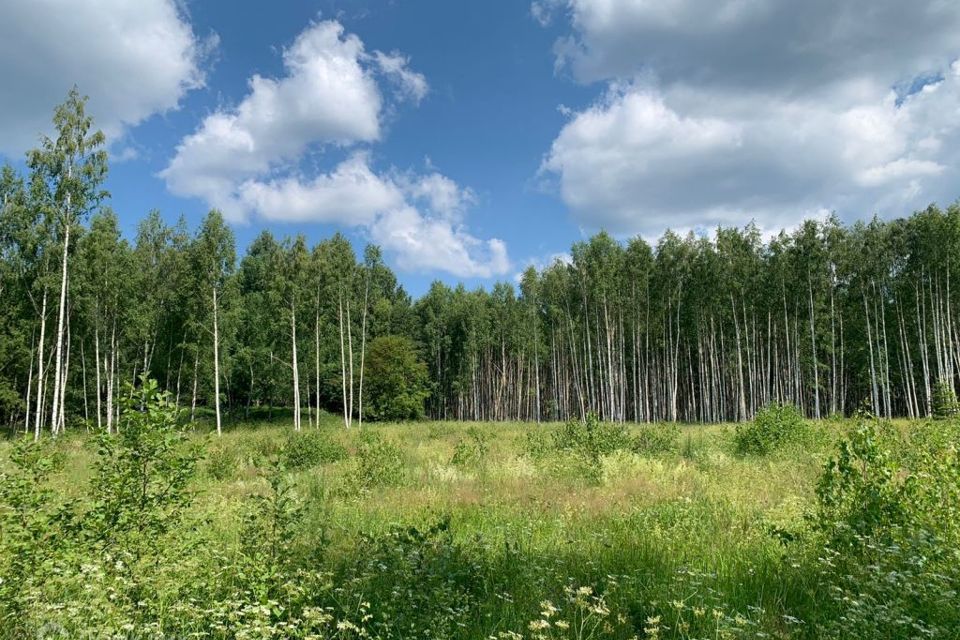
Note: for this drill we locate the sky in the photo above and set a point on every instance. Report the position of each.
(473, 139)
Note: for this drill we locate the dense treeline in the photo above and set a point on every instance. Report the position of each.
(829, 318)
(826, 317)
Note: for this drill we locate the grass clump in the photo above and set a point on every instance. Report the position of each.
(655, 439)
(379, 463)
(591, 438)
(472, 450)
(773, 428)
(307, 449)
(222, 462)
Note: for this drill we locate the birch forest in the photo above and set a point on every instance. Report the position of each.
(705, 327)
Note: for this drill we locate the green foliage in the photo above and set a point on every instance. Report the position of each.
(472, 450)
(887, 509)
(945, 404)
(33, 527)
(422, 581)
(591, 438)
(659, 438)
(773, 428)
(222, 462)
(537, 443)
(906, 589)
(142, 472)
(396, 380)
(306, 449)
(268, 535)
(379, 463)
(863, 491)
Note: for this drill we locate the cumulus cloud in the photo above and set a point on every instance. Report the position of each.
(328, 96)
(424, 243)
(723, 112)
(133, 59)
(412, 85)
(247, 160)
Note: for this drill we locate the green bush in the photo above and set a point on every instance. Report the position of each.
(420, 579)
(33, 528)
(396, 381)
(888, 505)
(307, 449)
(945, 405)
(222, 462)
(591, 438)
(774, 427)
(537, 444)
(655, 439)
(379, 463)
(472, 450)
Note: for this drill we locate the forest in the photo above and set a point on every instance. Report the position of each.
(829, 317)
(731, 435)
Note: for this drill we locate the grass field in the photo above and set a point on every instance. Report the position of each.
(451, 530)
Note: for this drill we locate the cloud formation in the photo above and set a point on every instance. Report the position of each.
(246, 160)
(723, 112)
(133, 59)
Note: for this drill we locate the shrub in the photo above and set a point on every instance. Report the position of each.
(888, 506)
(309, 448)
(945, 405)
(472, 450)
(32, 528)
(222, 463)
(774, 427)
(591, 438)
(142, 471)
(396, 381)
(379, 463)
(657, 438)
(537, 444)
(424, 583)
(861, 491)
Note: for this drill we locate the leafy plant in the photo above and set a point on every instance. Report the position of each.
(34, 526)
(945, 404)
(309, 448)
(591, 438)
(142, 471)
(657, 438)
(379, 462)
(472, 450)
(887, 508)
(774, 427)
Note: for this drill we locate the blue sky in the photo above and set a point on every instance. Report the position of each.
(473, 139)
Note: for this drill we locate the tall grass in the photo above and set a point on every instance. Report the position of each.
(442, 530)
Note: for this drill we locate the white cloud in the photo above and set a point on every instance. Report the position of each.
(424, 243)
(397, 67)
(757, 110)
(441, 195)
(246, 160)
(327, 96)
(133, 59)
(421, 238)
(352, 194)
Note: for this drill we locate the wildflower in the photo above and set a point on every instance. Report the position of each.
(547, 609)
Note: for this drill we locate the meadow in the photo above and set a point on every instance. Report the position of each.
(779, 528)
